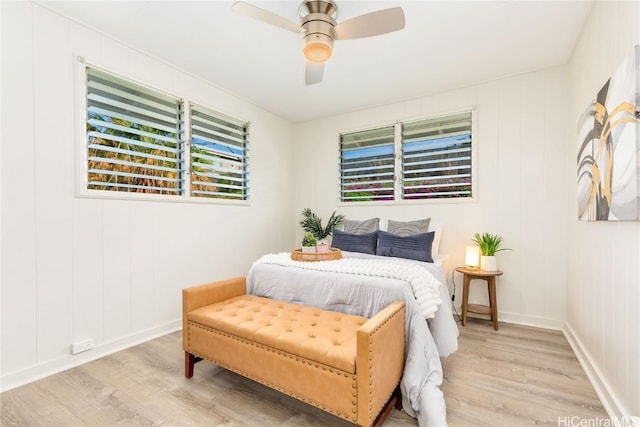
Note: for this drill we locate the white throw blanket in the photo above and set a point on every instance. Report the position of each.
(426, 288)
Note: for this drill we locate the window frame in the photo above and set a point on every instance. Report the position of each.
(398, 198)
(243, 161)
(81, 148)
(393, 160)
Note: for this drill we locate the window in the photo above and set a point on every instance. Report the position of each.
(218, 155)
(138, 140)
(134, 137)
(436, 157)
(424, 159)
(367, 165)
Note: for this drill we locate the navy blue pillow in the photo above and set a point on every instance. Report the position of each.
(365, 243)
(416, 247)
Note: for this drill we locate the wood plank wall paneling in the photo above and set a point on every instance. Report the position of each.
(603, 293)
(19, 272)
(88, 270)
(142, 277)
(112, 270)
(53, 188)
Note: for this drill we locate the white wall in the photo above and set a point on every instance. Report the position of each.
(523, 127)
(603, 297)
(110, 270)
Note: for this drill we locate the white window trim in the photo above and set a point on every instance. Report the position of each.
(398, 164)
(81, 172)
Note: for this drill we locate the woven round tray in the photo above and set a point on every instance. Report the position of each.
(333, 254)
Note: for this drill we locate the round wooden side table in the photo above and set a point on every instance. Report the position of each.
(491, 309)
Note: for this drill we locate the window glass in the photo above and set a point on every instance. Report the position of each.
(436, 157)
(434, 160)
(136, 141)
(134, 137)
(367, 165)
(218, 155)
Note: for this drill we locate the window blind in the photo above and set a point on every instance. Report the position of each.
(219, 155)
(436, 157)
(134, 137)
(367, 165)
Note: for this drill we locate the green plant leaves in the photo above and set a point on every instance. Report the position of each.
(489, 244)
(312, 223)
(309, 240)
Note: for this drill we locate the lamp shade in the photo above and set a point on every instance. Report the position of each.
(317, 52)
(472, 257)
(318, 47)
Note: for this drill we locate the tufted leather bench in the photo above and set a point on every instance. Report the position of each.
(347, 365)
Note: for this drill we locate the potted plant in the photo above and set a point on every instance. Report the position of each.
(489, 244)
(312, 223)
(309, 242)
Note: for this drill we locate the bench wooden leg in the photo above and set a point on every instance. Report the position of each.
(398, 394)
(395, 401)
(189, 361)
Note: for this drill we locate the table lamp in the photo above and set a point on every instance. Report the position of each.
(472, 257)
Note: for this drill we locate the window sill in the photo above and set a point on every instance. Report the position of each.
(142, 197)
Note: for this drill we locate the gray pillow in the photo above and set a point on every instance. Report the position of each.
(361, 227)
(408, 228)
(364, 243)
(416, 247)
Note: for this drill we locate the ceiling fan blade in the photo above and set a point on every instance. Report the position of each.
(313, 73)
(265, 16)
(371, 24)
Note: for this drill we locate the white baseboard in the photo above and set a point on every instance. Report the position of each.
(538, 322)
(519, 319)
(17, 378)
(613, 406)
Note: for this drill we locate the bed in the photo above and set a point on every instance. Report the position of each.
(277, 276)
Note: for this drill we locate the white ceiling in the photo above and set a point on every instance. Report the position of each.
(445, 45)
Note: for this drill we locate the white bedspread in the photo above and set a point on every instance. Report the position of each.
(366, 295)
(425, 287)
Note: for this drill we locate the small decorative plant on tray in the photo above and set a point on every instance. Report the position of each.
(312, 223)
(309, 242)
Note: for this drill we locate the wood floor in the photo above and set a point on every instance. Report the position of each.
(517, 376)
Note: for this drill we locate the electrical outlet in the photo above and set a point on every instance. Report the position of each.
(80, 346)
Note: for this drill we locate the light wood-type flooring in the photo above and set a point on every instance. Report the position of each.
(517, 376)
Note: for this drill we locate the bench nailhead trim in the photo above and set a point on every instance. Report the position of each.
(370, 409)
(282, 354)
(305, 361)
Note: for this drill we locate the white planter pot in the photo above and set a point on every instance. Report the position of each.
(489, 263)
(309, 249)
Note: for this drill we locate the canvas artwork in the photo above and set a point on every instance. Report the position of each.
(609, 148)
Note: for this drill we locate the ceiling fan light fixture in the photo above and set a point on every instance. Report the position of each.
(317, 52)
(319, 29)
(318, 48)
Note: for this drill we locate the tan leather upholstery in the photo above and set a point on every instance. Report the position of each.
(326, 337)
(346, 365)
(199, 296)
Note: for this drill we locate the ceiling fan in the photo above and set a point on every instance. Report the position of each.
(319, 29)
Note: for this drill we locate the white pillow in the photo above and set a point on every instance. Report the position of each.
(438, 227)
(408, 228)
(361, 227)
